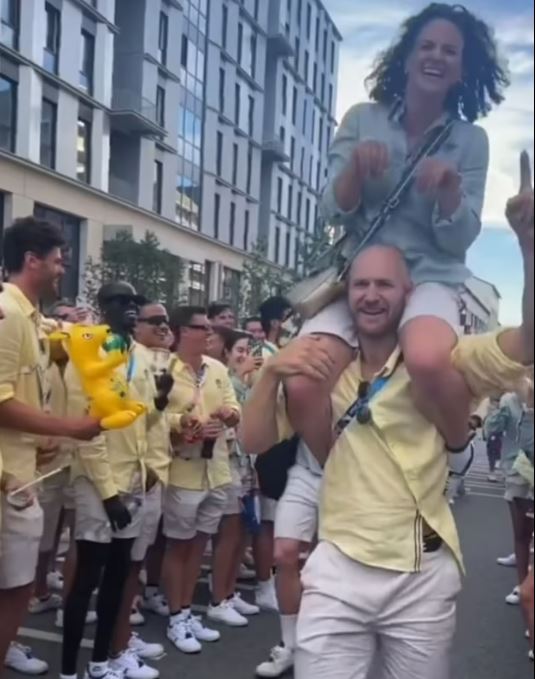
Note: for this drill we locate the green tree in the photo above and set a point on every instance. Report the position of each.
(261, 279)
(153, 271)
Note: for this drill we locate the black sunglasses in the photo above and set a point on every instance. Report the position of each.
(156, 321)
(364, 412)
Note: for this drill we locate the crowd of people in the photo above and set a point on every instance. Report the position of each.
(321, 460)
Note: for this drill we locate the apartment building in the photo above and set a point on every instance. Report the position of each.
(181, 118)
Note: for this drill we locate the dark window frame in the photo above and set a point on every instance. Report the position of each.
(53, 142)
(12, 125)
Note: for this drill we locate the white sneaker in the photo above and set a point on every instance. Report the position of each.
(531, 655)
(145, 650)
(492, 478)
(181, 636)
(226, 614)
(137, 619)
(55, 581)
(513, 599)
(51, 603)
(156, 603)
(21, 659)
(266, 597)
(200, 632)
(281, 660)
(103, 672)
(130, 666)
(90, 619)
(507, 561)
(243, 607)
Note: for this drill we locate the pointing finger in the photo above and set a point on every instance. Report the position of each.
(525, 172)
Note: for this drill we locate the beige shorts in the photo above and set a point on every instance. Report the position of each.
(55, 495)
(151, 515)
(428, 299)
(234, 501)
(188, 512)
(268, 509)
(91, 522)
(297, 510)
(20, 536)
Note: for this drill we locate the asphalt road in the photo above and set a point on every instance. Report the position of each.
(490, 640)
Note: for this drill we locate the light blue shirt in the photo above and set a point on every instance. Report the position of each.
(506, 420)
(435, 248)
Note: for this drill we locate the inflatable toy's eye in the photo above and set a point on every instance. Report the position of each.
(87, 336)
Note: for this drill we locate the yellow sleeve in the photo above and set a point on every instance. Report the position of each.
(93, 455)
(487, 370)
(11, 337)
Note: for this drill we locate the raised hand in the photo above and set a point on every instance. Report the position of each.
(520, 209)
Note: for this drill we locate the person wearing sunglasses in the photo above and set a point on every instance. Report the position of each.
(202, 404)
(111, 476)
(380, 590)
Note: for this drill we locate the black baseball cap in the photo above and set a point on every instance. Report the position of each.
(119, 289)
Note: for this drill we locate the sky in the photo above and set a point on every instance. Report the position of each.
(369, 26)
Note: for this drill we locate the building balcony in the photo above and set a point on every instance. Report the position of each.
(132, 113)
(279, 44)
(273, 151)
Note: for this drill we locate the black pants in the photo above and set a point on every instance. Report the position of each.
(106, 567)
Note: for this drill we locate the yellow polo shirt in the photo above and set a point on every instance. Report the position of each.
(158, 456)
(384, 480)
(23, 356)
(215, 391)
(115, 461)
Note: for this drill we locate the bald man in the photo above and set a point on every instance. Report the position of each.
(380, 590)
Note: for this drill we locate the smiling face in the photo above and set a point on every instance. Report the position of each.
(152, 329)
(239, 354)
(435, 65)
(378, 288)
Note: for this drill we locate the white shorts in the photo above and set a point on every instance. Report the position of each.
(428, 299)
(188, 512)
(55, 495)
(234, 501)
(20, 536)
(92, 523)
(268, 509)
(150, 522)
(297, 511)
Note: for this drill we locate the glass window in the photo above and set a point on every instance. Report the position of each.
(284, 94)
(333, 56)
(250, 116)
(249, 169)
(224, 27)
(8, 113)
(222, 86)
(157, 187)
(297, 51)
(232, 234)
(292, 152)
(277, 244)
(307, 215)
(235, 157)
(160, 106)
(256, 13)
(240, 43)
(87, 59)
(184, 52)
(294, 106)
(217, 214)
(279, 195)
(299, 207)
(163, 37)
(83, 148)
(53, 38)
(237, 104)
(219, 154)
(309, 20)
(49, 113)
(9, 22)
(290, 202)
(287, 253)
(307, 65)
(246, 229)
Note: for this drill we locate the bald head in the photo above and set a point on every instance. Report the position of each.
(383, 259)
(379, 284)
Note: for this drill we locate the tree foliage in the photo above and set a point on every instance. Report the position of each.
(153, 271)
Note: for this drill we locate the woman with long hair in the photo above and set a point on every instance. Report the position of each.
(442, 74)
(233, 348)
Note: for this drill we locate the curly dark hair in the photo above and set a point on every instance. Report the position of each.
(485, 77)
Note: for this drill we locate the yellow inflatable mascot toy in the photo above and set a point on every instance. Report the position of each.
(96, 353)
